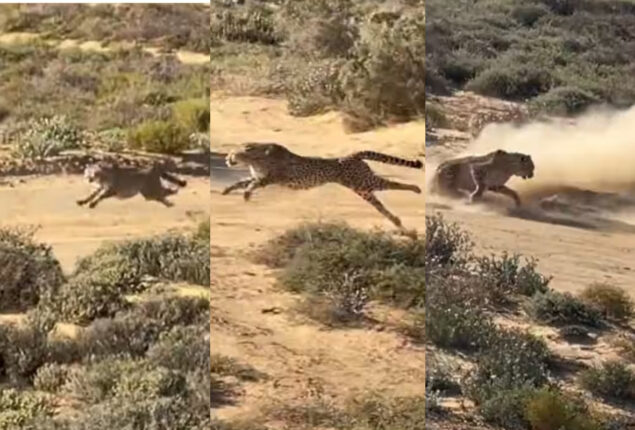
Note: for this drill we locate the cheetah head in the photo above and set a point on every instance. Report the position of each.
(251, 153)
(516, 163)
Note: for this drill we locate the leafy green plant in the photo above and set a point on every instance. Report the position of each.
(614, 302)
(47, 137)
(553, 307)
(158, 136)
(611, 379)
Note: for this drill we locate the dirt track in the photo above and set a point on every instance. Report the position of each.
(298, 355)
(75, 231)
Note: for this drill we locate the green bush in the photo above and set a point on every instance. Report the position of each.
(507, 276)
(160, 136)
(23, 350)
(557, 308)
(251, 23)
(169, 312)
(202, 232)
(192, 115)
(19, 408)
(28, 270)
(507, 408)
(612, 379)
(314, 88)
(456, 325)
(384, 80)
(84, 298)
(47, 137)
(338, 260)
(614, 302)
(446, 244)
(548, 409)
(512, 81)
(563, 101)
(171, 257)
(182, 348)
(508, 360)
(50, 377)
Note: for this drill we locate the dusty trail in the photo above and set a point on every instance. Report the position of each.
(296, 354)
(586, 233)
(74, 231)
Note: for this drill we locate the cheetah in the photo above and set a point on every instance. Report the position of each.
(272, 163)
(113, 180)
(474, 175)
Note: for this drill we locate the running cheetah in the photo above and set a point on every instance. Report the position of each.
(113, 180)
(272, 163)
(473, 175)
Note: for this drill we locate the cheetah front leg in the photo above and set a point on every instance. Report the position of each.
(256, 183)
(370, 198)
(243, 183)
(104, 194)
(82, 202)
(479, 186)
(502, 189)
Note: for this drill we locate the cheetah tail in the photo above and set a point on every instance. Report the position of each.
(388, 159)
(173, 179)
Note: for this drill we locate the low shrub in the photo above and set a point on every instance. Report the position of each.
(345, 263)
(182, 348)
(507, 276)
(172, 257)
(169, 312)
(159, 136)
(192, 115)
(128, 335)
(18, 409)
(549, 409)
(446, 244)
(507, 408)
(614, 302)
(84, 298)
(384, 80)
(28, 270)
(47, 137)
(612, 379)
(508, 360)
(553, 307)
(314, 89)
(512, 80)
(563, 101)
(51, 377)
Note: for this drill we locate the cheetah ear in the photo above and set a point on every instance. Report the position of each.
(500, 151)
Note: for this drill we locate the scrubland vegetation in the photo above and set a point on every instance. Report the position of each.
(560, 56)
(119, 340)
(365, 59)
(57, 97)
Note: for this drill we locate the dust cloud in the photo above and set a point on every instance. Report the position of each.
(594, 152)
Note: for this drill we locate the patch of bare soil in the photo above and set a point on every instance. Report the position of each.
(257, 322)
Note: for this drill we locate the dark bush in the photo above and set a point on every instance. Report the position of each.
(28, 270)
(182, 348)
(508, 360)
(563, 101)
(614, 302)
(160, 136)
(512, 82)
(553, 307)
(612, 379)
(19, 409)
(550, 409)
(507, 276)
(338, 260)
(446, 244)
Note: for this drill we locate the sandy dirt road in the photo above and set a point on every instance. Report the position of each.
(73, 231)
(300, 356)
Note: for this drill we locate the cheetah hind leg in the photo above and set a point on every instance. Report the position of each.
(370, 198)
(386, 184)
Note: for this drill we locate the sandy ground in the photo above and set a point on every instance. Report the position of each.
(73, 231)
(295, 354)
